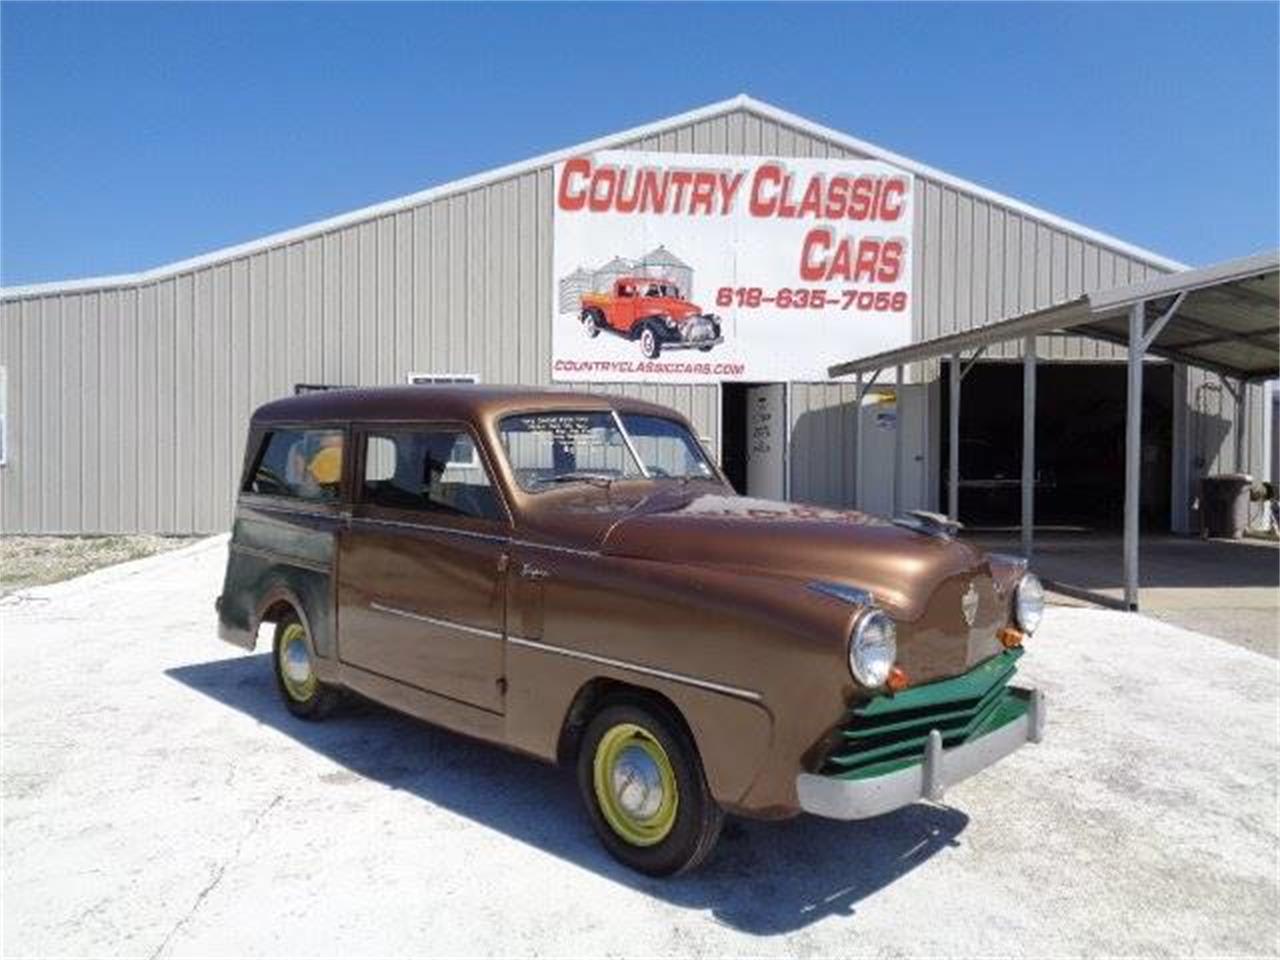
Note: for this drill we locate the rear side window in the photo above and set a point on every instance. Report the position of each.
(434, 471)
(306, 464)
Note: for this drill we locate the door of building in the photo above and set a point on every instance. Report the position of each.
(882, 416)
(766, 414)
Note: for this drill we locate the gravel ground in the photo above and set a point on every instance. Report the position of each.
(159, 801)
(35, 561)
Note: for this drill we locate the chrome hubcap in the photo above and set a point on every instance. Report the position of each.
(637, 783)
(297, 661)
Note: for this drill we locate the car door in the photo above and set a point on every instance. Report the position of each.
(422, 566)
(624, 308)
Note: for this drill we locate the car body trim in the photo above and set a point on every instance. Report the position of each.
(738, 692)
(284, 558)
(572, 551)
(429, 528)
(854, 596)
(422, 617)
(841, 799)
(272, 503)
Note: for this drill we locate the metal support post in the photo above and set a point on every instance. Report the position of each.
(1133, 453)
(1140, 340)
(953, 447)
(861, 391)
(1242, 414)
(1028, 443)
(857, 442)
(899, 427)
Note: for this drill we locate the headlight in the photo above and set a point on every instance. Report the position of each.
(873, 648)
(1028, 603)
(667, 319)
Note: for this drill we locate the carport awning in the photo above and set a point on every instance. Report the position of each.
(1227, 322)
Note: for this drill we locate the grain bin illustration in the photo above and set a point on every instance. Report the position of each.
(659, 262)
(573, 286)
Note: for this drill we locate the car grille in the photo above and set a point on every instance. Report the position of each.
(889, 733)
(700, 329)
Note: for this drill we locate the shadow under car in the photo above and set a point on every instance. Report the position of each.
(765, 878)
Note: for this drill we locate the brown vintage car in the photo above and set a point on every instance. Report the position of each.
(571, 576)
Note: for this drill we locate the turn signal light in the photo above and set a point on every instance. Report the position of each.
(897, 679)
(1011, 637)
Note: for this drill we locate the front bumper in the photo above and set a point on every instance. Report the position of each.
(845, 799)
(690, 344)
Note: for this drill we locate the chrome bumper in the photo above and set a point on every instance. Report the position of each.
(859, 799)
(690, 344)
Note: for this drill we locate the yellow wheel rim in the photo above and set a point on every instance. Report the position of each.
(296, 671)
(635, 785)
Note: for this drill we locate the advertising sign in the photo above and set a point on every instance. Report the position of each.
(694, 268)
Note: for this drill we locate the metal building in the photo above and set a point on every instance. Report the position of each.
(124, 400)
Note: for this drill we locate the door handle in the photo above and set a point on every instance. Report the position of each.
(529, 572)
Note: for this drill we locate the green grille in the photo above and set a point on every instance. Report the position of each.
(889, 732)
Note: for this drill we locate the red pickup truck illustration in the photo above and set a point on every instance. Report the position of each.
(650, 310)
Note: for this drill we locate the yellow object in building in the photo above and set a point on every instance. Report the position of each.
(326, 466)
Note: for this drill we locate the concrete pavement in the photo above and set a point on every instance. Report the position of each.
(160, 801)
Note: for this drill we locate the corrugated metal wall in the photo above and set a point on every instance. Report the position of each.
(127, 407)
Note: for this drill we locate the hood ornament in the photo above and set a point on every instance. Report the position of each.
(930, 524)
(969, 604)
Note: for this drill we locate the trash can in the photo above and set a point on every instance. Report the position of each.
(1224, 505)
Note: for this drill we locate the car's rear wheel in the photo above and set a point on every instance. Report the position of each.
(295, 670)
(644, 788)
(649, 344)
(591, 323)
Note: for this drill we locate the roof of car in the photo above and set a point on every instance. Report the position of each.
(437, 401)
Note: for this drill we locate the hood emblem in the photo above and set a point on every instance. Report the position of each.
(969, 604)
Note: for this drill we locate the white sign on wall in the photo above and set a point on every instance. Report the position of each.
(694, 268)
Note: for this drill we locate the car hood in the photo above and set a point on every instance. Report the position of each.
(902, 568)
(671, 306)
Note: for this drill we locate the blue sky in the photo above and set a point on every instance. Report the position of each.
(132, 135)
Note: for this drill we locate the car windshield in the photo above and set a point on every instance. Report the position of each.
(665, 447)
(662, 290)
(598, 447)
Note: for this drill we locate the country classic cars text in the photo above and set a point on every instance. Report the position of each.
(768, 190)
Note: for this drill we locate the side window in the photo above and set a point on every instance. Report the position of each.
(306, 464)
(436, 471)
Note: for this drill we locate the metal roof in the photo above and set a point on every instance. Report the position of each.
(1229, 321)
(611, 141)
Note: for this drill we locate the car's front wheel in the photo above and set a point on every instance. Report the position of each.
(649, 344)
(644, 788)
(295, 670)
